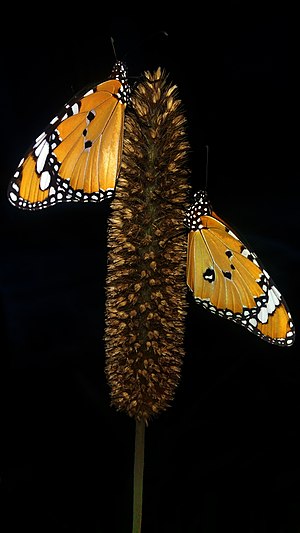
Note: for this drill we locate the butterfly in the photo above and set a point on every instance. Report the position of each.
(78, 157)
(228, 279)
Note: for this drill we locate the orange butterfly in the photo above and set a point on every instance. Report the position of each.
(78, 156)
(228, 279)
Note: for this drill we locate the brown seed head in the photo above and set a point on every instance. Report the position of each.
(146, 287)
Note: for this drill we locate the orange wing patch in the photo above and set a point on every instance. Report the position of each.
(78, 157)
(30, 185)
(228, 279)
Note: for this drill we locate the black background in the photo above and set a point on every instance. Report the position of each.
(225, 456)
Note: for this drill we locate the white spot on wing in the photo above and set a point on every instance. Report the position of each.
(273, 295)
(75, 109)
(233, 235)
(45, 180)
(13, 197)
(253, 322)
(39, 139)
(245, 252)
(263, 315)
(39, 147)
(42, 156)
(276, 292)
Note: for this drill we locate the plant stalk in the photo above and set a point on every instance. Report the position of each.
(138, 475)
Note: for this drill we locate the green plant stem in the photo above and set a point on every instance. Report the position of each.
(138, 476)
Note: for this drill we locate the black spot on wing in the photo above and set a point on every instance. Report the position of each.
(87, 144)
(209, 275)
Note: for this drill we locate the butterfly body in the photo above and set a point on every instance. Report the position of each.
(228, 279)
(78, 156)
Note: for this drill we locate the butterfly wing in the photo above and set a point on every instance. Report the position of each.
(228, 279)
(78, 157)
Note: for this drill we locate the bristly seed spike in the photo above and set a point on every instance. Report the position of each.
(146, 289)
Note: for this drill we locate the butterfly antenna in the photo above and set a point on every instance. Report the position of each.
(206, 168)
(113, 47)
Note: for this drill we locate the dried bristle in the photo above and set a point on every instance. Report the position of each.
(146, 287)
